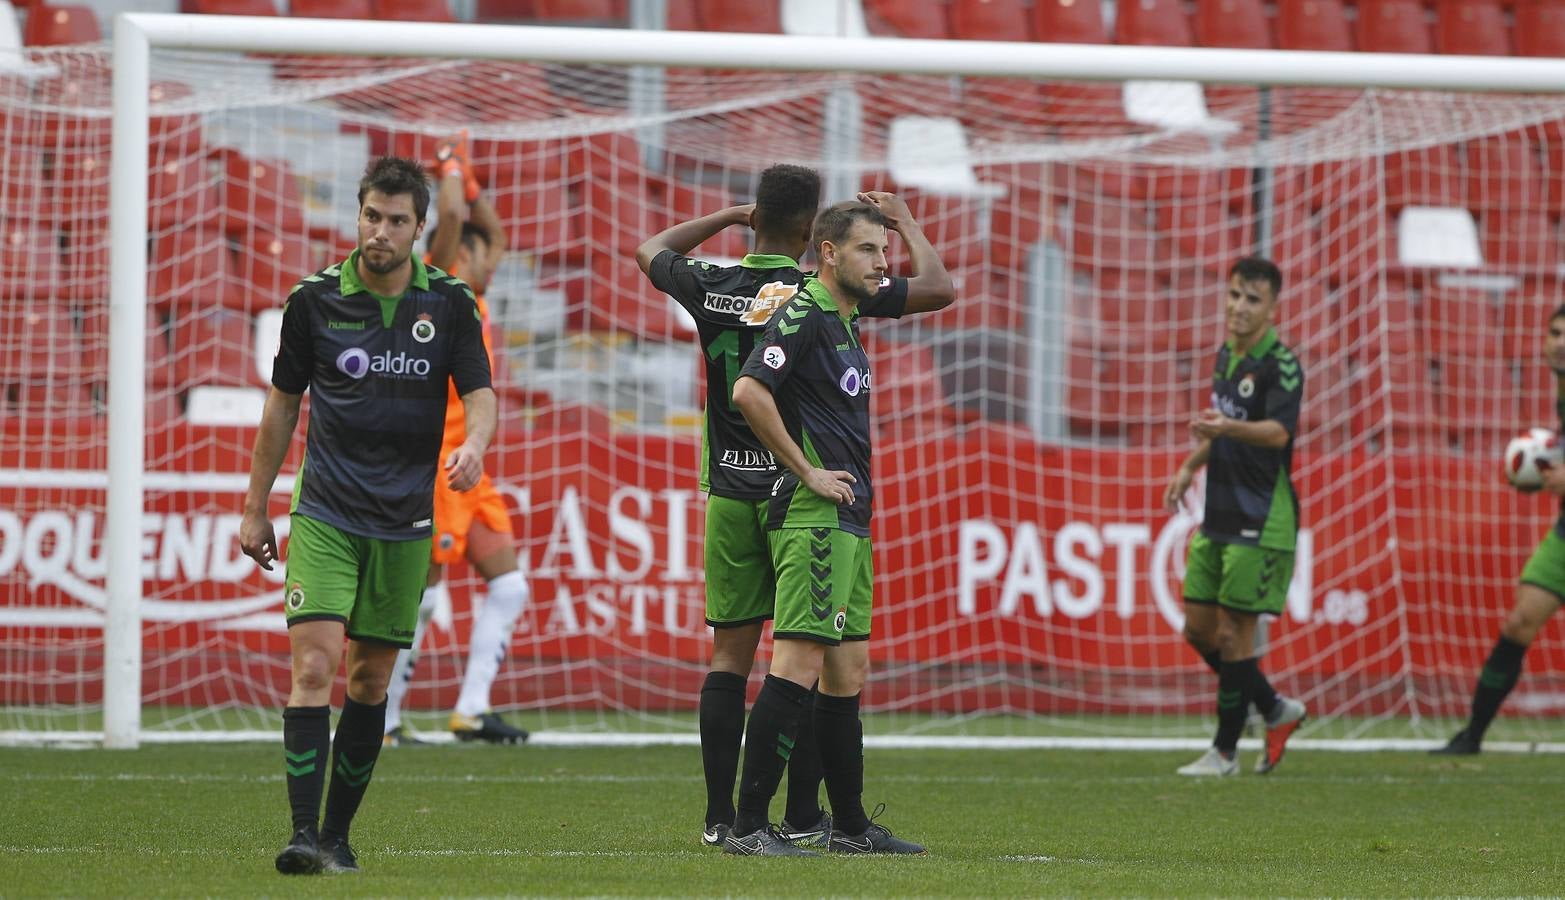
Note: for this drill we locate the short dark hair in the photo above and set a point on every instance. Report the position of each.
(1559, 312)
(1258, 268)
(835, 221)
(471, 234)
(786, 198)
(396, 175)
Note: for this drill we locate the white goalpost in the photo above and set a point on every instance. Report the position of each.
(1087, 199)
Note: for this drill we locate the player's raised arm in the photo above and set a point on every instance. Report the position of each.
(451, 201)
(686, 236)
(929, 288)
(279, 418)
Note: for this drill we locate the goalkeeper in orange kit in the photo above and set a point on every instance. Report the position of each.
(467, 241)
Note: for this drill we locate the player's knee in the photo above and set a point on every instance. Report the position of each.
(1199, 639)
(314, 671)
(1520, 628)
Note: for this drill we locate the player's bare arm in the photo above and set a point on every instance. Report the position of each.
(1174, 494)
(278, 419)
(755, 401)
(686, 236)
(451, 206)
(465, 465)
(1210, 424)
(483, 215)
(929, 288)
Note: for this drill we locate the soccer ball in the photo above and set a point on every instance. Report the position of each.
(1528, 455)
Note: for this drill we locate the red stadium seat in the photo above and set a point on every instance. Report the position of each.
(1015, 226)
(1431, 176)
(76, 189)
(23, 190)
(1312, 25)
(750, 16)
(1540, 28)
(331, 9)
(1519, 238)
(182, 194)
(1461, 323)
(623, 302)
(270, 265)
(29, 261)
(1201, 233)
(1503, 173)
(59, 124)
(539, 221)
(896, 18)
(1232, 23)
(1114, 234)
(214, 348)
(260, 195)
(1356, 237)
(230, 7)
(1296, 241)
(413, 10)
(39, 340)
(63, 24)
(1069, 21)
(1394, 26)
(989, 20)
(95, 347)
(84, 262)
(1158, 23)
(691, 201)
(1471, 27)
(907, 389)
(171, 135)
(188, 268)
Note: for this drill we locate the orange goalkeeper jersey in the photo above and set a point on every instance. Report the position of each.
(456, 418)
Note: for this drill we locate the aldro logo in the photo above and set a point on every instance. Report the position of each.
(355, 363)
(757, 310)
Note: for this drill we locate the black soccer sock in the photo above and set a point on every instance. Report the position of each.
(769, 740)
(840, 735)
(722, 727)
(306, 740)
(804, 771)
(1233, 703)
(1495, 681)
(1262, 694)
(360, 730)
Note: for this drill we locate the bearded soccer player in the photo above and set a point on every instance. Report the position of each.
(1542, 585)
(468, 242)
(731, 306)
(1241, 561)
(805, 393)
(375, 338)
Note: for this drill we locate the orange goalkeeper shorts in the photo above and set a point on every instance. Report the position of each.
(454, 514)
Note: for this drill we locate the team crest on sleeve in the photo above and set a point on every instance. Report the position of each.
(774, 357)
(424, 328)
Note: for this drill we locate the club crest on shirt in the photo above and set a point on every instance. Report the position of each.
(424, 328)
(1247, 386)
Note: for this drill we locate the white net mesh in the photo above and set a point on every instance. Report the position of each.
(1027, 578)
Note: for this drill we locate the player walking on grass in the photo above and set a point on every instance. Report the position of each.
(375, 338)
(1241, 561)
(468, 242)
(805, 391)
(731, 306)
(1542, 585)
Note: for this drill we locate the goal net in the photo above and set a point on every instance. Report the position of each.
(1028, 580)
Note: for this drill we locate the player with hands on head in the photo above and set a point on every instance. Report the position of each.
(362, 508)
(468, 241)
(1241, 560)
(805, 392)
(1539, 591)
(731, 306)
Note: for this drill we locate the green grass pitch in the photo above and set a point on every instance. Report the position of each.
(206, 820)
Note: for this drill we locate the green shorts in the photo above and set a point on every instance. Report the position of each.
(824, 584)
(740, 583)
(1238, 576)
(1546, 567)
(372, 586)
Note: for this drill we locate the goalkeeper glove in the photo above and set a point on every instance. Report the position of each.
(451, 159)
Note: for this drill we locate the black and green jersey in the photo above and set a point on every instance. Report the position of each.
(811, 359)
(377, 369)
(731, 306)
(1249, 497)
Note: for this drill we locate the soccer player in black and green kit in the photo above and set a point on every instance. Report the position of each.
(805, 391)
(1541, 587)
(731, 306)
(1241, 561)
(375, 339)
